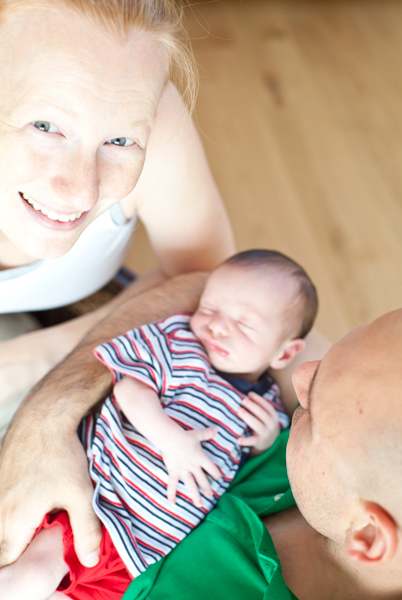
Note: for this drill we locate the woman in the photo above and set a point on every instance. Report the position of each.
(93, 134)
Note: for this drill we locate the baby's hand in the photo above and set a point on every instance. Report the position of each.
(263, 419)
(186, 460)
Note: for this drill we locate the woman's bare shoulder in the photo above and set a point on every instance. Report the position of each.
(171, 111)
(176, 196)
(174, 134)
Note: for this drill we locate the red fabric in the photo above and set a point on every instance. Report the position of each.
(108, 580)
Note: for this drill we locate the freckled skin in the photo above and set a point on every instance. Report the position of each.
(93, 89)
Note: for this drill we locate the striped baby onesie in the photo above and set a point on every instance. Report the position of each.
(127, 471)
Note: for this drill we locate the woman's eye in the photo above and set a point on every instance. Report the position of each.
(45, 126)
(122, 141)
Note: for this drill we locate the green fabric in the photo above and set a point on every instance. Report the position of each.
(230, 554)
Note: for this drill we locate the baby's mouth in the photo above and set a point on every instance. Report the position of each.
(53, 216)
(210, 343)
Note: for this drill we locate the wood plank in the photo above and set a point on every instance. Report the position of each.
(300, 113)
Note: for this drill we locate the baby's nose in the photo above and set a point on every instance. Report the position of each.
(218, 326)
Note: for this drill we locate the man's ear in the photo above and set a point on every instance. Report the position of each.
(287, 353)
(373, 538)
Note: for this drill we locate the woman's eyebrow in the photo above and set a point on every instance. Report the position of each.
(145, 122)
(47, 108)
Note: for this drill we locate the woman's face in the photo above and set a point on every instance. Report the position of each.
(76, 112)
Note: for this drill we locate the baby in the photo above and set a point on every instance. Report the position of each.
(191, 397)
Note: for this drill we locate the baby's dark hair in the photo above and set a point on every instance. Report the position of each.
(304, 305)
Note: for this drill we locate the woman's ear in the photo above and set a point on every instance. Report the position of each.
(373, 538)
(287, 353)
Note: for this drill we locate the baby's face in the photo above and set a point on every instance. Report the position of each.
(241, 320)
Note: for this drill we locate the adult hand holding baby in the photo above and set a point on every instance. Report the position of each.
(42, 464)
(24, 499)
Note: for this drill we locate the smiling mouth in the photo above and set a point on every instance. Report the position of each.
(50, 214)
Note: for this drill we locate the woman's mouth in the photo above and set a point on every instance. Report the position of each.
(53, 216)
(51, 219)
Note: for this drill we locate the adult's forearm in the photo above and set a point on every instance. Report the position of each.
(61, 339)
(75, 385)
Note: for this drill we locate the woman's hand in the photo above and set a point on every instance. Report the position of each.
(25, 359)
(23, 362)
(263, 419)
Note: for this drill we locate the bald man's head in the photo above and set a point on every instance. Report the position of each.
(345, 447)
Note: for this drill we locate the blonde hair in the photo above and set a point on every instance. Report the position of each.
(164, 19)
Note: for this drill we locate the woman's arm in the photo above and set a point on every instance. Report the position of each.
(176, 196)
(42, 463)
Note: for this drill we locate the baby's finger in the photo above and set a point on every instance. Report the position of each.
(192, 489)
(203, 482)
(203, 435)
(172, 487)
(248, 441)
(262, 412)
(257, 398)
(210, 467)
(252, 421)
(267, 406)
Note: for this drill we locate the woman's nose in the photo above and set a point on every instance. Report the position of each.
(77, 181)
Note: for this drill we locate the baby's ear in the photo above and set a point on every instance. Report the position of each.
(288, 352)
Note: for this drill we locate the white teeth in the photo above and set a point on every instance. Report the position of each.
(50, 213)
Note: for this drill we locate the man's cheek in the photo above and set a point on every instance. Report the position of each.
(299, 454)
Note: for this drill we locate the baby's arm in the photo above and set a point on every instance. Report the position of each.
(263, 419)
(181, 450)
(38, 571)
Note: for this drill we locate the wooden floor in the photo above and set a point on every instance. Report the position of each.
(300, 109)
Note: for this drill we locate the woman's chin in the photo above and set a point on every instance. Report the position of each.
(40, 248)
